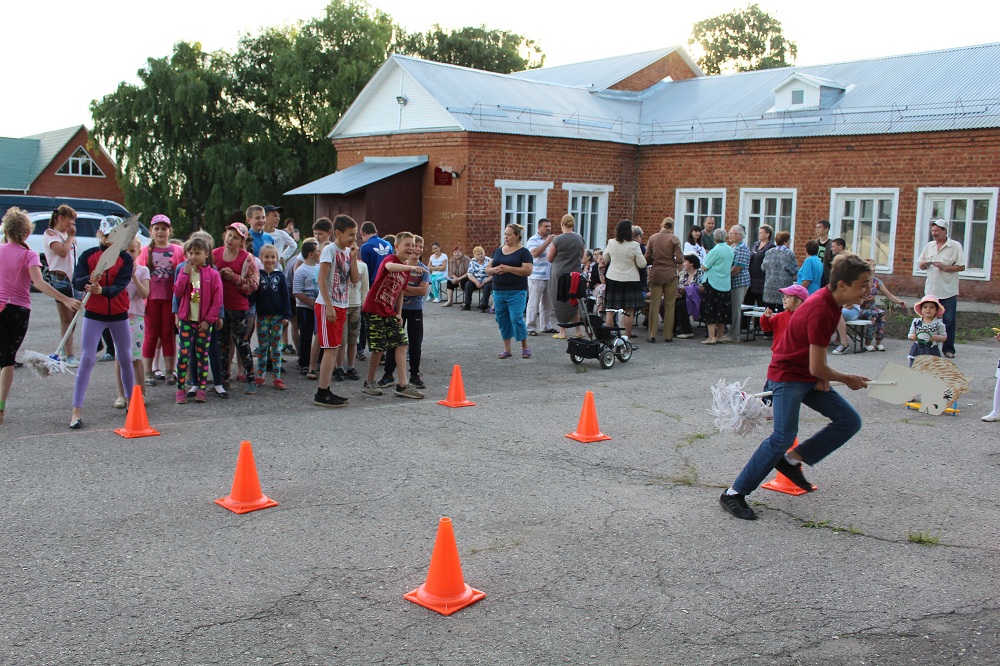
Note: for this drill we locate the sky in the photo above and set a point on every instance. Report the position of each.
(66, 53)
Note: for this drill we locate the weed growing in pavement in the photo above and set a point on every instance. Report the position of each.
(924, 538)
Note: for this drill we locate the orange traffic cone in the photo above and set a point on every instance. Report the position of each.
(445, 590)
(587, 430)
(136, 423)
(783, 484)
(456, 391)
(246, 495)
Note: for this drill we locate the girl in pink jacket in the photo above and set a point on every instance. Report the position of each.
(198, 289)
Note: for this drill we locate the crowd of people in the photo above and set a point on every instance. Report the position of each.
(178, 313)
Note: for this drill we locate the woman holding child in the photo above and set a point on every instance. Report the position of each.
(510, 266)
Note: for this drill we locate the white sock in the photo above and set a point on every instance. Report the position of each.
(730, 491)
(996, 398)
(791, 461)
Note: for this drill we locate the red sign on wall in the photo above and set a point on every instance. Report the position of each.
(442, 176)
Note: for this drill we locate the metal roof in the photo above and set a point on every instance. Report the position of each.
(23, 160)
(923, 92)
(597, 74)
(50, 143)
(353, 178)
(16, 159)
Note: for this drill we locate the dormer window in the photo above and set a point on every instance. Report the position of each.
(802, 92)
(80, 164)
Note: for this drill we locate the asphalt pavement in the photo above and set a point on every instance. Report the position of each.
(112, 550)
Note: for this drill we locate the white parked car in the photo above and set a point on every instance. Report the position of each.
(87, 225)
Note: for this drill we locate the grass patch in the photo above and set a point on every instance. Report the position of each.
(924, 538)
(580, 369)
(694, 438)
(919, 422)
(815, 524)
(638, 406)
(676, 417)
(688, 477)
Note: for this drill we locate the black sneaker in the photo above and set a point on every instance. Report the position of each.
(794, 474)
(417, 381)
(352, 374)
(737, 505)
(386, 380)
(338, 375)
(324, 398)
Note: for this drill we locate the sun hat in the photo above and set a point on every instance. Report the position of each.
(160, 219)
(109, 223)
(929, 299)
(796, 290)
(239, 228)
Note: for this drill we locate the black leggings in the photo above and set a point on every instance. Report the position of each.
(234, 330)
(13, 327)
(307, 327)
(413, 320)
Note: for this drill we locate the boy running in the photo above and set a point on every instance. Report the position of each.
(382, 308)
(799, 375)
(337, 267)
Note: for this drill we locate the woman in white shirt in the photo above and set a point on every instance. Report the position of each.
(439, 271)
(60, 256)
(622, 260)
(694, 244)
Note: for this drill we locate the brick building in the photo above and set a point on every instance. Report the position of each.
(879, 147)
(61, 163)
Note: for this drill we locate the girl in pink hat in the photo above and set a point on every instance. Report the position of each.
(161, 257)
(927, 330)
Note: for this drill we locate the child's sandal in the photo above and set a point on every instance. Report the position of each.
(504, 354)
(525, 353)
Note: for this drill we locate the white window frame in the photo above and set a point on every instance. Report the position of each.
(802, 94)
(681, 227)
(921, 233)
(76, 160)
(537, 188)
(596, 237)
(748, 193)
(837, 195)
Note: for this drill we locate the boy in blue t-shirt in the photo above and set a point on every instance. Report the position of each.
(811, 273)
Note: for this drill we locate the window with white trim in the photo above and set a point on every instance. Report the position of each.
(588, 204)
(80, 164)
(775, 208)
(692, 206)
(866, 220)
(971, 214)
(523, 202)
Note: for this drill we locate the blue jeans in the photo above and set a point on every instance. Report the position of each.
(509, 309)
(787, 400)
(950, 306)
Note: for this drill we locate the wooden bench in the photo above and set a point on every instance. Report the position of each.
(856, 331)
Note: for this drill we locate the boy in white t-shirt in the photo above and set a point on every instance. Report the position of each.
(305, 289)
(338, 266)
(356, 293)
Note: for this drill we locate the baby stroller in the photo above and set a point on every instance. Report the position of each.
(602, 342)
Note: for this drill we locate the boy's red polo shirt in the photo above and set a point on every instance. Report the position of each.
(813, 323)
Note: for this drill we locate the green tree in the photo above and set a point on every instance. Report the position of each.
(741, 41)
(205, 134)
(480, 48)
(165, 133)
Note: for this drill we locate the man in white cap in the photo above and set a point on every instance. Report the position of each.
(943, 259)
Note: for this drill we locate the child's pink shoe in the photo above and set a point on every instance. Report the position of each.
(241, 379)
(182, 397)
(199, 396)
(260, 381)
(279, 384)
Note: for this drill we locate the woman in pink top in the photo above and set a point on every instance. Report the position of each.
(60, 257)
(21, 268)
(161, 257)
